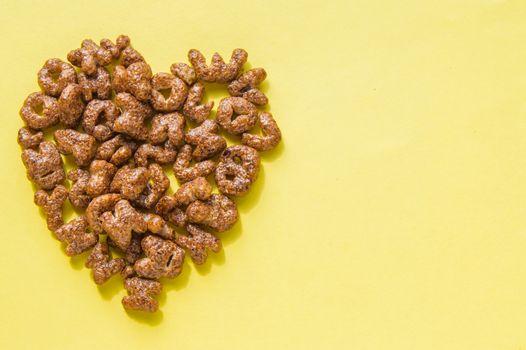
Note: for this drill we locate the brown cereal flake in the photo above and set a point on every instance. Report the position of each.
(89, 56)
(197, 242)
(218, 71)
(122, 42)
(120, 224)
(77, 193)
(141, 292)
(97, 207)
(185, 172)
(167, 208)
(164, 258)
(236, 115)
(98, 119)
(97, 85)
(219, 212)
(130, 182)
(271, 134)
(155, 189)
(52, 203)
(117, 150)
(44, 166)
(156, 225)
(238, 168)
(246, 86)
(28, 138)
(206, 140)
(81, 146)
(192, 109)
(177, 96)
(158, 154)
(184, 72)
(101, 174)
(131, 120)
(168, 127)
(77, 236)
(55, 75)
(40, 111)
(101, 263)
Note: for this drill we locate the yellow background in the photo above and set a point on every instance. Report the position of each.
(391, 217)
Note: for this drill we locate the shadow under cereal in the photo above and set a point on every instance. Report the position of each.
(177, 283)
(151, 319)
(247, 202)
(213, 259)
(111, 288)
(77, 261)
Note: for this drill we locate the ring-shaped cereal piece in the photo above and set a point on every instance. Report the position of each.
(236, 115)
(55, 75)
(49, 115)
(178, 92)
(238, 168)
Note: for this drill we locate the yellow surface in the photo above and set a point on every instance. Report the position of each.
(392, 216)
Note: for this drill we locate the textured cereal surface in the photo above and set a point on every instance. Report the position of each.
(120, 123)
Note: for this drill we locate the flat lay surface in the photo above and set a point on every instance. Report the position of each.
(392, 215)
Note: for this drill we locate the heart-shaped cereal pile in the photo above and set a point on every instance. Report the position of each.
(120, 123)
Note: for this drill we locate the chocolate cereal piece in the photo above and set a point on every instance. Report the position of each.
(206, 140)
(156, 225)
(246, 86)
(97, 85)
(164, 258)
(135, 79)
(192, 109)
(40, 111)
(197, 189)
(120, 224)
(134, 113)
(101, 174)
(77, 236)
(159, 154)
(185, 172)
(141, 292)
(77, 193)
(184, 72)
(167, 208)
(122, 42)
(168, 127)
(219, 212)
(117, 150)
(97, 207)
(101, 263)
(55, 75)
(271, 134)
(81, 146)
(98, 119)
(176, 97)
(28, 138)
(218, 71)
(236, 115)
(52, 203)
(155, 189)
(238, 168)
(44, 166)
(130, 182)
(134, 250)
(89, 56)
(130, 56)
(198, 242)
(71, 105)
